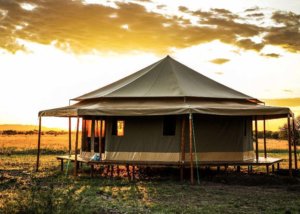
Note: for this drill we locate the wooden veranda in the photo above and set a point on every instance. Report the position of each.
(258, 161)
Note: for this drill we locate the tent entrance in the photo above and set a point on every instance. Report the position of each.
(93, 136)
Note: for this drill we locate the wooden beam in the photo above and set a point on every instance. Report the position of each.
(295, 145)
(290, 144)
(265, 138)
(76, 147)
(191, 149)
(39, 145)
(70, 135)
(182, 148)
(256, 139)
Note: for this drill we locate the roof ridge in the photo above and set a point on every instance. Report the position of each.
(175, 74)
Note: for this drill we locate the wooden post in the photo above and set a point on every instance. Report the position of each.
(265, 138)
(76, 146)
(256, 140)
(70, 136)
(191, 149)
(39, 145)
(93, 136)
(290, 144)
(118, 170)
(112, 171)
(62, 165)
(182, 148)
(295, 146)
(133, 172)
(100, 140)
(128, 172)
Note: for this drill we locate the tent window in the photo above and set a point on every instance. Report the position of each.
(118, 127)
(169, 126)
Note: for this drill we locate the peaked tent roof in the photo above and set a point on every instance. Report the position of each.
(166, 78)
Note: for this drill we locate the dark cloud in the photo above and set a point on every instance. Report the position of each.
(273, 55)
(183, 9)
(252, 9)
(248, 44)
(84, 27)
(257, 15)
(287, 18)
(219, 61)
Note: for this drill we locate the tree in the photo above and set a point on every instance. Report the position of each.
(283, 131)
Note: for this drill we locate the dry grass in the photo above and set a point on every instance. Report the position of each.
(25, 143)
(22, 190)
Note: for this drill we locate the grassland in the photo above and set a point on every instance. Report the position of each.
(50, 191)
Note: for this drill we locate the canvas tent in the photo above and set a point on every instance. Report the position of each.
(162, 107)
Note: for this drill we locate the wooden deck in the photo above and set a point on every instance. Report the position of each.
(251, 162)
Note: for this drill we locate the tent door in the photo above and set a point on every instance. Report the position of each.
(91, 141)
(99, 132)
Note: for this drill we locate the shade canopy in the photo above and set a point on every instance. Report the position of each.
(166, 78)
(148, 107)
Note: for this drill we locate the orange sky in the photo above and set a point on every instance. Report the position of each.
(54, 50)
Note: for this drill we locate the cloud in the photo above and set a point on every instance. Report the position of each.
(257, 15)
(219, 72)
(248, 44)
(253, 9)
(219, 61)
(183, 9)
(78, 27)
(274, 55)
(287, 90)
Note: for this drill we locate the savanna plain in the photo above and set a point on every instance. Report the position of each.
(22, 190)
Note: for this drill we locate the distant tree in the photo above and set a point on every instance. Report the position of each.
(283, 130)
(9, 132)
(275, 135)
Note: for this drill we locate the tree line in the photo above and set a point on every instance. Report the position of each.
(31, 132)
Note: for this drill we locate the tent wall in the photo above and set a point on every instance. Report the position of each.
(143, 140)
(217, 139)
(221, 138)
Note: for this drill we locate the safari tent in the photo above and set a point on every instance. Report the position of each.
(168, 113)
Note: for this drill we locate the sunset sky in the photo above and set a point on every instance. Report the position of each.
(55, 50)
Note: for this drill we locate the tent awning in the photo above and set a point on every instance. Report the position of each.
(146, 107)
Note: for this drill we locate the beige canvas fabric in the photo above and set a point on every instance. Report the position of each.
(165, 78)
(148, 107)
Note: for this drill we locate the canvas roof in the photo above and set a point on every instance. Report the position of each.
(151, 107)
(166, 78)
(166, 87)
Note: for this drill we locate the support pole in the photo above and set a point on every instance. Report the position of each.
(295, 146)
(290, 144)
(100, 140)
(70, 136)
(256, 140)
(191, 149)
(76, 147)
(265, 138)
(93, 137)
(39, 144)
(182, 148)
